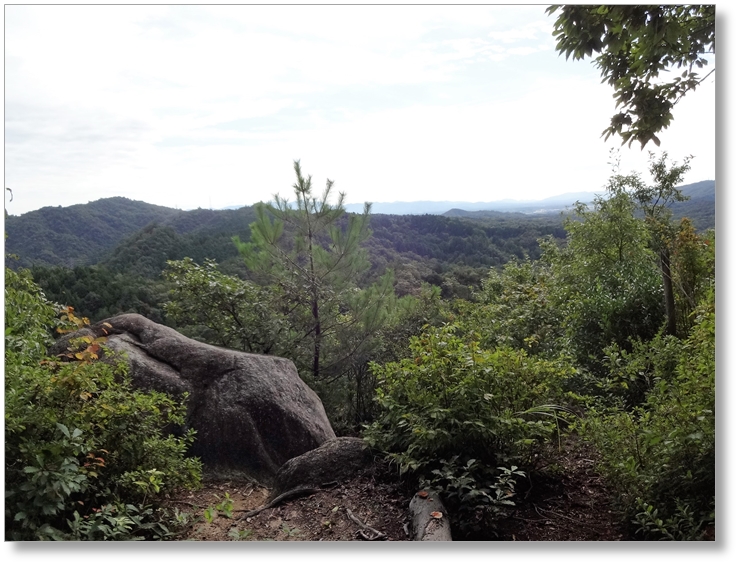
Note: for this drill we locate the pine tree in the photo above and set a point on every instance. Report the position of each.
(318, 272)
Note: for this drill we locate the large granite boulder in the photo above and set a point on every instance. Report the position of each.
(252, 412)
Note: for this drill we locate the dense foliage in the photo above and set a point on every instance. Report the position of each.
(605, 285)
(226, 310)
(583, 327)
(660, 455)
(85, 454)
(464, 418)
(98, 292)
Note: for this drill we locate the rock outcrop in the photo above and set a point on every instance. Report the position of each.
(334, 461)
(252, 412)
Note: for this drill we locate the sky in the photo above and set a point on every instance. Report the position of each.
(208, 106)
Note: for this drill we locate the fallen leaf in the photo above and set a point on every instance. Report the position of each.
(436, 515)
(422, 493)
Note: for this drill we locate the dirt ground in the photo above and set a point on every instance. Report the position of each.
(566, 500)
(370, 497)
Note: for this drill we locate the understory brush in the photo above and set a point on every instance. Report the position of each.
(465, 421)
(85, 456)
(660, 455)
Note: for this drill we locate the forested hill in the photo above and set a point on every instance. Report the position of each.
(127, 235)
(87, 234)
(701, 207)
(78, 234)
(132, 236)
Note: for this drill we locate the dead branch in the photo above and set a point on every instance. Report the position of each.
(377, 534)
(299, 491)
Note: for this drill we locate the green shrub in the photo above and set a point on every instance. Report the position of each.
(632, 375)
(80, 443)
(462, 419)
(660, 455)
(515, 308)
(29, 318)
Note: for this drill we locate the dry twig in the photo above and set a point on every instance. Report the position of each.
(377, 534)
(299, 491)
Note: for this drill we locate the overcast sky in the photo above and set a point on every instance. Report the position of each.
(188, 106)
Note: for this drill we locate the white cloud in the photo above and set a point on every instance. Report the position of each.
(197, 106)
(529, 32)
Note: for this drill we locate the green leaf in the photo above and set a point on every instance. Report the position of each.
(63, 429)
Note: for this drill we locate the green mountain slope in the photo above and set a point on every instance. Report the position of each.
(701, 208)
(198, 234)
(131, 236)
(88, 234)
(79, 234)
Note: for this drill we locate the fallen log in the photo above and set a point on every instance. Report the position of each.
(429, 518)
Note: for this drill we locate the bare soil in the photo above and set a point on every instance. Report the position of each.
(565, 500)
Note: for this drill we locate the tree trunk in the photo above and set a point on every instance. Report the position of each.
(664, 256)
(316, 339)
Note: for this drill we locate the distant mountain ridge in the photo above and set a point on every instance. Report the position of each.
(553, 204)
(507, 205)
(111, 230)
(83, 235)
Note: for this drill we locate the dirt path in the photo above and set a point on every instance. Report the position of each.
(566, 501)
(322, 516)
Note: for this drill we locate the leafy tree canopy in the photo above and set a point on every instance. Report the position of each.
(635, 44)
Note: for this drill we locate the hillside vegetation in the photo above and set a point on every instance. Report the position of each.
(78, 234)
(462, 350)
(106, 231)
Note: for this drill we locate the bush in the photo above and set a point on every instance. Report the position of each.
(515, 308)
(29, 318)
(631, 376)
(462, 419)
(661, 455)
(80, 443)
